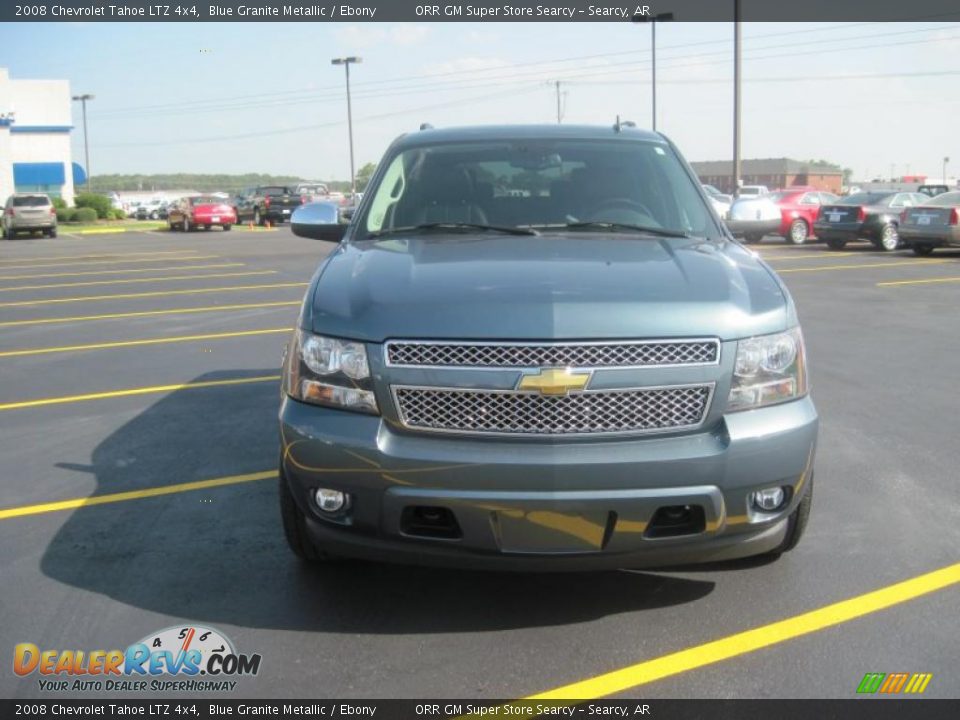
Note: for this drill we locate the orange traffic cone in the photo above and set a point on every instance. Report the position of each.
(269, 225)
(250, 225)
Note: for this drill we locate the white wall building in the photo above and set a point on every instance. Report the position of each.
(35, 125)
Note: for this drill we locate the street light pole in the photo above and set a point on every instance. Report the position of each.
(653, 20)
(945, 161)
(736, 97)
(86, 145)
(346, 61)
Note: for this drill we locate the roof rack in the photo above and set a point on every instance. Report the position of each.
(426, 126)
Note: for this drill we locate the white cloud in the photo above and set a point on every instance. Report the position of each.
(405, 35)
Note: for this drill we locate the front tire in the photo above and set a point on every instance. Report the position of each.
(295, 527)
(797, 522)
(889, 238)
(799, 232)
(922, 250)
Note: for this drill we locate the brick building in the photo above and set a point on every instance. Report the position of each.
(772, 172)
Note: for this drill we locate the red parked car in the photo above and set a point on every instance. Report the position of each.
(201, 211)
(799, 207)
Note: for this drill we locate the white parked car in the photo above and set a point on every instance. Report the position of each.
(721, 203)
(753, 217)
(753, 191)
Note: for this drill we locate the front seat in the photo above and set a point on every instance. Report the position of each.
(449, 196)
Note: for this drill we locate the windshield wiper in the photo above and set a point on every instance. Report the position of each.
(507, 230)
(641, 229)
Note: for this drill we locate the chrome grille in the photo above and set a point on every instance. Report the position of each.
(650, 353)
(492, 412)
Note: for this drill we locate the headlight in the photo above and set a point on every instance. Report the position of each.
(328, 371)
(769, 369)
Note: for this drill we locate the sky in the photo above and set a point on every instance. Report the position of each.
(247, 97)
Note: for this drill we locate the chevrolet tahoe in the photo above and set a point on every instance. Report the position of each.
(538, 348)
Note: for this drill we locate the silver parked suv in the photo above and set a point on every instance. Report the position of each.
(29, 212)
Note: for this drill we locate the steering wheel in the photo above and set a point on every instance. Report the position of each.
(619, 204)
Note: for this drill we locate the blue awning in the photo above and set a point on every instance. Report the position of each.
(38, 174)
(79, 175)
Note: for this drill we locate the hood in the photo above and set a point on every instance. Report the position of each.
(551, 287)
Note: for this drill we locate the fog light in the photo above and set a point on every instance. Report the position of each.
(768, 500)
(330, 501)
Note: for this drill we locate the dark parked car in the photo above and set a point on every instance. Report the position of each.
(934, 224)
(267, 203)
(537, 347)
(933, 190)
(871, 215)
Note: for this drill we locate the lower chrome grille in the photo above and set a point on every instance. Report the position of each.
(491, 412)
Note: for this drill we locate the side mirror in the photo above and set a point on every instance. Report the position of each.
(318, 221)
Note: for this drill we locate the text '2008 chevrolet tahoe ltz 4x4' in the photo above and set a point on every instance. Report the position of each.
(537, 347)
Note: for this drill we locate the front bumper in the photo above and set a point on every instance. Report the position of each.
(548, 505)
(741, 228)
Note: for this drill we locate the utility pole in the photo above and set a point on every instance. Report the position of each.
(945, 161)
(559, 111)
(736, 97)
(86, 145)
(653, 20)
(346, 61)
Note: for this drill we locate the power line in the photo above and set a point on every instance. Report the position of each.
(402, 85)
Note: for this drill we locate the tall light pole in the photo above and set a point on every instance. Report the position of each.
(945, 161)
(86, 145)
(346, 61)
(736, 97)
(653, 20)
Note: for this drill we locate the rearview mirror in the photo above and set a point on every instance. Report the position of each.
(317, 221)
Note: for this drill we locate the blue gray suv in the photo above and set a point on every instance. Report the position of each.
(537, 347)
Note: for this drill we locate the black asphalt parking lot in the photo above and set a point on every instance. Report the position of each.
(176, 384)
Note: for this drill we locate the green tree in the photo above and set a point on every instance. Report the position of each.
(364, 174)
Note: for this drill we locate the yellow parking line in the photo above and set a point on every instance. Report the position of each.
(129, 392)
(99, 256)
(125, 271)
(127, 281)
(742, 643)
(158, 293)
(781, 271)
(918, 282)
(135, 494)
(148, 313)
(137, 343)
(114, 262)
(787, 258)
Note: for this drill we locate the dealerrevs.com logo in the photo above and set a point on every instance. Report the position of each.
(180, 658)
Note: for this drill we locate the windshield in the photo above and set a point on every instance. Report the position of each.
(538, 184)
(867, 198)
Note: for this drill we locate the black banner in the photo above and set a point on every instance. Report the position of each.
(854, 709)
(474, 11)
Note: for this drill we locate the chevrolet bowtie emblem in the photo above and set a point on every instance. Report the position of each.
(554, 381)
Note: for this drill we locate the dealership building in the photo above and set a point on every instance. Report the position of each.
(35, 127)
(773, 172)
